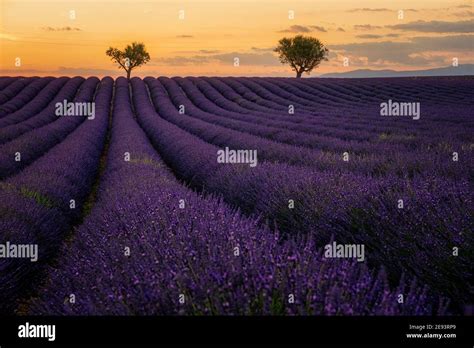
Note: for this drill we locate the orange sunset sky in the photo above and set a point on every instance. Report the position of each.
(71, 37)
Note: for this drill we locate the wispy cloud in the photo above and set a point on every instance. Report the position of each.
(436, 26)
(319, 28)
(296, 29)
(366, 27)
(184, 36)
(264, 49)
(464, 14)
(366, 9)
(61, 29)
(369, 36)
(340, 29)
(245, 58)
(376, 36)
(303, 29)
(208, 51)
(407, 52)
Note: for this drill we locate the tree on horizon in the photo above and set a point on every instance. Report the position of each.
(132, 56)
(302, 53)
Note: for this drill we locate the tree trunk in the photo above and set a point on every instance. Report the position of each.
(298, 74)
(128, 74)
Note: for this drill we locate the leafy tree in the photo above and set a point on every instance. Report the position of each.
(303, 53)
(131, 57)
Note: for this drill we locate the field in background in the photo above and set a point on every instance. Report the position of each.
(136, 210)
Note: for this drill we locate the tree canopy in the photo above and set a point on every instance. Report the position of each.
(132, 56)
(302, 53)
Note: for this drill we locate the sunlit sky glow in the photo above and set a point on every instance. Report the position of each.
(370, 33)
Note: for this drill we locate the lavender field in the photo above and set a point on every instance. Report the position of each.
(236, 196)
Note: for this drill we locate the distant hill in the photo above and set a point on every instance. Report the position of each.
(464, 69)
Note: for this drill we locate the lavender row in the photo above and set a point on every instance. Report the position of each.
(338, 120)
(39, 204)
(20, 152)
(283, 133)
(6, 80)
(278, 95)
(24, 96)
(209, 100)
(433, 89)
(305, 91)
(386, 127)
(148, 254)
(371, 164)
(347, 206)
(38, 103)
(370, 110)
(271, 151)
(204, 96)
(339, 116)
(37, 120)
(13, 89)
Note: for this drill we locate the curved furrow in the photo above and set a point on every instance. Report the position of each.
(45, 116)
(6, 80)
(210, 100)
(24, 96)
(349, 206)
(281, 134)
(22, 151)
(40, 102)
(14, 88)
(185, 250)
(40, 209)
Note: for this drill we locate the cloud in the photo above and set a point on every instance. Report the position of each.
(248, 58)
(464, 6)
(296, 29)
(366, 27)
(208, 51)
(464, 14)
(366, 9)
(407, 52)
(184, 36)
(392, 35)
(369, 36)
(265, 49)
(245, 58)
(303, 29)
(340, 29)
(318, 28)
(181, 60)
(436, 26)
(61, 29)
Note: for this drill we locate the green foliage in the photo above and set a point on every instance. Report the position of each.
(132, 56)
(303, 53)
